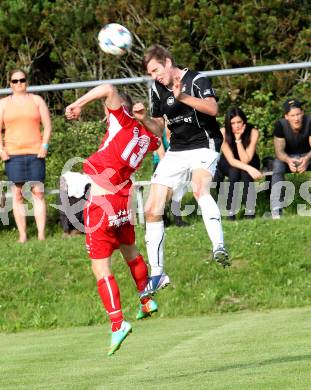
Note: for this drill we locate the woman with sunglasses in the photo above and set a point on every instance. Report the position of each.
(25, 148)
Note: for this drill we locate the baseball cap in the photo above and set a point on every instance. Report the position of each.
(291, 103)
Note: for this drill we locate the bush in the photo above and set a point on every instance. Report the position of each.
(262, 111)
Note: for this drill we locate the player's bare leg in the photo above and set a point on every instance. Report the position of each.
(19, 212)
(39, 207)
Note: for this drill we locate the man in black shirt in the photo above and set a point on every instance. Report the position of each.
(186, 101)
(292, 144)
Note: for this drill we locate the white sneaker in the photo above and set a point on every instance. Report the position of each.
(155, 283)
(275, 214)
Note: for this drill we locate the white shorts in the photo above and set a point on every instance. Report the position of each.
(176, 167)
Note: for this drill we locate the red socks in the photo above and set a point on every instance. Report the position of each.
(109, 293)
(139, 272)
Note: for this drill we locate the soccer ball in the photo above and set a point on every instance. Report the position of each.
(115, 39)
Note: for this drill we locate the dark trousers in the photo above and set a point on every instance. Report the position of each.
(67, 215)
(68, 212)
(237, 177)
(277, 193)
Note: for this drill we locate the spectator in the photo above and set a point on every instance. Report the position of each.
(25, 149)
(239, 161)
(292, 141)
(73, 191)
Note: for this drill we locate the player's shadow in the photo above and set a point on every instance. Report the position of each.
(281, 359)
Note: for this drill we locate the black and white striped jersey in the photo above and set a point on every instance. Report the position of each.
(190, 129)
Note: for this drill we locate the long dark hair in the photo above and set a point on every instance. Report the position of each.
(231, 113)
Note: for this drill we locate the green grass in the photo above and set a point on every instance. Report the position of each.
(247, 327)
(267, 350)
(49, 284)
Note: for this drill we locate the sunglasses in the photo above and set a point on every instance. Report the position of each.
(15, 81)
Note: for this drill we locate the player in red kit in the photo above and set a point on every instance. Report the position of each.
(108, 212)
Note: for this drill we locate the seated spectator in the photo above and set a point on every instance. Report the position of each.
(73, 191)
(292, 141)
(239, 161)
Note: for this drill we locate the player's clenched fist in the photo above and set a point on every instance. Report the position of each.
(177, 87)
(72, 112)
(139, 111)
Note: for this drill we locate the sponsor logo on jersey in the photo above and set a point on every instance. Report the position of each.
(170, 100)
(122, 217)
(207, 92)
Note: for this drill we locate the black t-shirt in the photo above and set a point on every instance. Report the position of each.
(296, 143)
(190, 129)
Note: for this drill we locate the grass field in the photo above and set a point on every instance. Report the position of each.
(246, 327)
(235, 351)
(49, 284)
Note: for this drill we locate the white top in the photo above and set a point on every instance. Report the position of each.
(76, 183)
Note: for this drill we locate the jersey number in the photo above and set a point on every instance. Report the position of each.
(143, 144)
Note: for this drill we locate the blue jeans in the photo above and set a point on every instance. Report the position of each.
(25, 167)
(279, 170)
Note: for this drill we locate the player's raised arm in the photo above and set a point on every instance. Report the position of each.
(207, 105)
(154, 125)
(103, 91)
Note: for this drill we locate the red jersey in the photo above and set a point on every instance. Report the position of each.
(121, 152)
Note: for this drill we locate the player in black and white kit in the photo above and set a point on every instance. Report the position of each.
(186, 101)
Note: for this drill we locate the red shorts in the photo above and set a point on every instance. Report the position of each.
(108, 223)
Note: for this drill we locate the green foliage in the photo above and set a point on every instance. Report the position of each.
(56, 40)
(21, 43)
(74, 48)
(262, 112)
